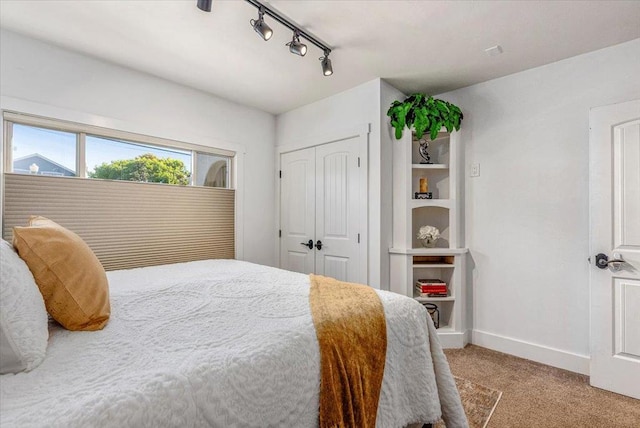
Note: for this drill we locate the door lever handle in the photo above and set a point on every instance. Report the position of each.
(319, 245)
(602, 261)
(308, 244)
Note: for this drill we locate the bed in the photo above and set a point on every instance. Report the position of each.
(220, 343)
(190, 337)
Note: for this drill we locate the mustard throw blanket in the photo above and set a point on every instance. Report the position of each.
(352, 334)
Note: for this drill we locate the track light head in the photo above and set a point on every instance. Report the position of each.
(295, 47)
(260, 26)
(205, 5)
(327, 69)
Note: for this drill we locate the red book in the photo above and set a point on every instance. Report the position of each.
(431, 282)
(425, 288)
(432, 289)
(433, 295)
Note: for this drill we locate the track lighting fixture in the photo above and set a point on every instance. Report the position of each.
(295, 47)
(260, 26)
(327, 69)
(205, 5)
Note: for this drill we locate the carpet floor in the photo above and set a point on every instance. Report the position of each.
(536, 395)
(478, 402)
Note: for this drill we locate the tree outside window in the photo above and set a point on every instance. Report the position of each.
(145, 168)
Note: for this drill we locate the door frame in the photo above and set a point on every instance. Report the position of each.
(361, 134)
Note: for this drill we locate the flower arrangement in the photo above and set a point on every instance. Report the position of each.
(428, 235)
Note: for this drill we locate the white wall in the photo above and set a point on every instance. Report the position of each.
(388, 94)
(527, 222)
(50, 81)
(345, 111)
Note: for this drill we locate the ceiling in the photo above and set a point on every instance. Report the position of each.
(426, 46)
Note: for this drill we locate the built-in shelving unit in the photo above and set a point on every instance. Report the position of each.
(409, 259)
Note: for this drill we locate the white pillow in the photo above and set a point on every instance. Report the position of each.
(23, 318)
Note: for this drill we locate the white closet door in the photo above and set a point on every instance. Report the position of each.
(297, 210)
(340, 190)
(324, 199)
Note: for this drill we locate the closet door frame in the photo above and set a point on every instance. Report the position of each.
(360, 136)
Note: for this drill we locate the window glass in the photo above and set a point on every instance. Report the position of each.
(212, 171)
(123, 160)
(43, 151)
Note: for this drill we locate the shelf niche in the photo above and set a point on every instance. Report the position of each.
(446, 313)
(431, 216)
(445, 275)
(438, 149)
(437, 182)
(432, 261)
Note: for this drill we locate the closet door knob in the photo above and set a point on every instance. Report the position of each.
(319, 245)
(308, 244)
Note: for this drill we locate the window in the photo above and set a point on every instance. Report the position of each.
(123, 160)
(43, 151)
(49, 147)
(213, 171)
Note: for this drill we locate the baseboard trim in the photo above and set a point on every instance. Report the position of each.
(531, 351)
(449, 340)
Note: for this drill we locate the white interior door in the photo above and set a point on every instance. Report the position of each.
(615, 233)
(297, 210)
(340, 190)
(324, 199)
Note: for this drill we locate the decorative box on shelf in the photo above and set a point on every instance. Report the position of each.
(423, 195)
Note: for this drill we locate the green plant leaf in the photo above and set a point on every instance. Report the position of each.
(399, 130)
(397, 112)
(421, 122)
(393, 107)
(442, 108)
(435, 128)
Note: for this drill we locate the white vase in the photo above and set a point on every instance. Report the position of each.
(429, 243)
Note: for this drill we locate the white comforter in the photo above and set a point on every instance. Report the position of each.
(219, 343)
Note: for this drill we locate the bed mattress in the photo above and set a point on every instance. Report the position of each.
(219, 343)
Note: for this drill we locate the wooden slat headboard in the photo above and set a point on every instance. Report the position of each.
(128, 224)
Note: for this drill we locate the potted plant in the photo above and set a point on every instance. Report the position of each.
(424, 113)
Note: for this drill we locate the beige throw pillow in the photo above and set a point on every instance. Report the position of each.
(71, 279)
